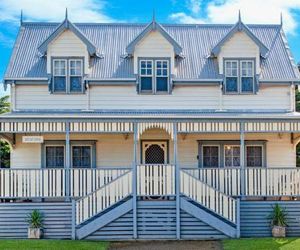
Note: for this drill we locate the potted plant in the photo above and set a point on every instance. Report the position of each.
(35, 229)
(278, 221)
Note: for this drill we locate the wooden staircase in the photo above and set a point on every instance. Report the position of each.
(205, 213)
(209, 205)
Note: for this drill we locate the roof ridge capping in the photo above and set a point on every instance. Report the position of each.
(154, 26)
(67, 25)
(238, 27)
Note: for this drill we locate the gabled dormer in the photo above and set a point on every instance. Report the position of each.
(68, 52)
(154, 51)
(239, 54)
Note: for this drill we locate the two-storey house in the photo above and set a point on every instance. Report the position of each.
(152, 131)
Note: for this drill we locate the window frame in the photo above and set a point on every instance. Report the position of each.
(91, 156)
(54, 75)
(262, 155)
(239, 77)
(227, 76)
(154, 60)
(162, 76)
(202, 156)
(68, 75)
(224, 155)
(45, 153)
(146, 75)
(222, 143)
(91, 143)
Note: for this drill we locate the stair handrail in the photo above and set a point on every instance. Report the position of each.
(212, 199)
(104, 197)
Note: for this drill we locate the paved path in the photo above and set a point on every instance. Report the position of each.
(167, 245)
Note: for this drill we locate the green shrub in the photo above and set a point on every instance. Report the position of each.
(35, 219)
(278, 216)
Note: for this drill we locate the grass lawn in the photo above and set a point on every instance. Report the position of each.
(52, 245)
(262, 244)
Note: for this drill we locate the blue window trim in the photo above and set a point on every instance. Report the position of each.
(154, 59)
(222, 143)
(67, 91)
(72, 143)
(255, 76)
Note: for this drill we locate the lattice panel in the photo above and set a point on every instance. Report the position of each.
(155, 154)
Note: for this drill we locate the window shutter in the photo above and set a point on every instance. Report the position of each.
(256, 84)
(50, 84)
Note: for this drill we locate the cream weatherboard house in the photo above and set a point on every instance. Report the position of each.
(134, 131)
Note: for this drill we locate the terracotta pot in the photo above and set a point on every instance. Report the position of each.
(34, 233)
(278, 232)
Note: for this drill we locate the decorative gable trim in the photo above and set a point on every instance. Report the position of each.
(238, 27)
(154, 26)
(67, 25)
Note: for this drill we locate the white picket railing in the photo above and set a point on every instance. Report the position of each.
(207, 196)
(226, 180)
(152, 180)
(103, 198)
(28, 183)
(85, 181)
(51, 183)
(272, 182)
(155, 180)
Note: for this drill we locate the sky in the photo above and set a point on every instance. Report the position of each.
(141, 11)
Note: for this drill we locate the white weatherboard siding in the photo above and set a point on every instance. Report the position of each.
(239, 45)
(116, 150)
(67, 45)
(37, 97)
(25, 155)
(272, 97)
(153, 45)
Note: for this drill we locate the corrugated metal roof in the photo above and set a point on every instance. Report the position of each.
(111, 40)
(162, 114)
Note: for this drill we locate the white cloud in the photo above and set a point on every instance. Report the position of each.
(53, 10)
(194, 5)
(184, 18)
(253, 11)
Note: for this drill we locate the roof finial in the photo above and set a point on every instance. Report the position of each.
(281, 19)
(21, 17)
(153, 16)
(240, 21)
(66, 14)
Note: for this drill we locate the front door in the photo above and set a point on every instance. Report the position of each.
(154, 152)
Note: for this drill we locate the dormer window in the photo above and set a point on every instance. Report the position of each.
(247, 76)
(59, 75)
(75, 71)
(67, 75)
(154, 76)
(239, 76)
